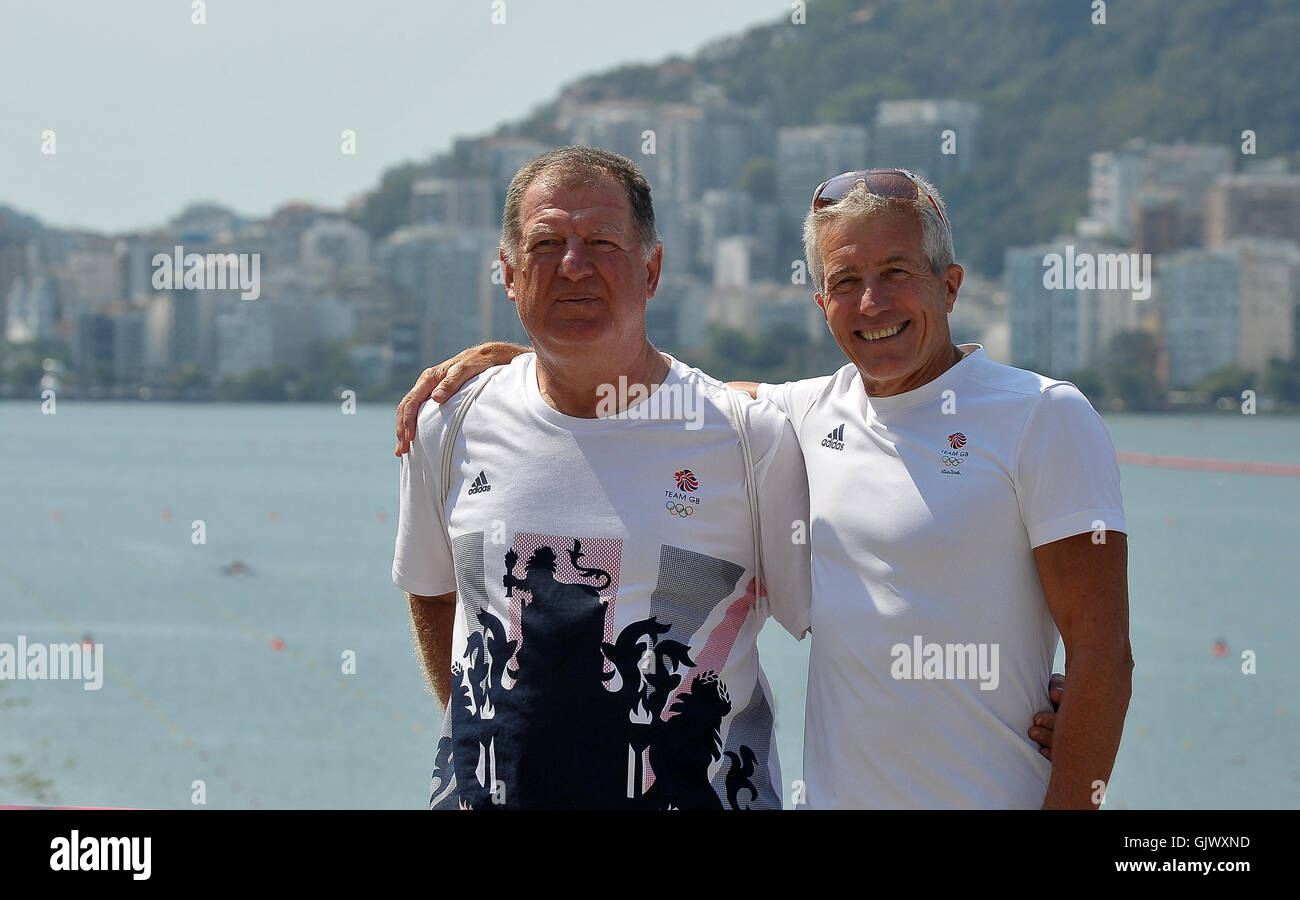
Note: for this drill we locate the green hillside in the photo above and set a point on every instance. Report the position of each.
(1054, 88)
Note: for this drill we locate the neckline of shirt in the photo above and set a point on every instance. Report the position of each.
(538, 404)
(973, 356)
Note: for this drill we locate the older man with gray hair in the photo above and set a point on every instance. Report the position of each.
(963, 512)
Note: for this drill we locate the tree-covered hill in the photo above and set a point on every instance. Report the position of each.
(1053, 85)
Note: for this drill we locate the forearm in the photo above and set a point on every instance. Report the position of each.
(745, 387)
(1089, 725)
(432, 619)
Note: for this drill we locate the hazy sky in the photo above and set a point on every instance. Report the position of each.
(152, 112)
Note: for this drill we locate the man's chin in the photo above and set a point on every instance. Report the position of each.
(576, 336)
(878, 370)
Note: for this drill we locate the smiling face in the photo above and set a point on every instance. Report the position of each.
(887, 309)
(580, 279)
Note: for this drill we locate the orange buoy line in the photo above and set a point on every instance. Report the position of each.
(1209, 465)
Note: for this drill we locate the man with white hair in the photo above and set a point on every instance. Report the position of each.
(963, 512)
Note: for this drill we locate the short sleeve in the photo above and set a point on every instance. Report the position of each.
(794, 398)
(422, 559)
(783, 519)
(1067, 475)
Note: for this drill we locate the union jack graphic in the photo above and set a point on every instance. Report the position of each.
(686, 480)
(956, 440)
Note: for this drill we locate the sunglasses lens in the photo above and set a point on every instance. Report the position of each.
(838, 188)
(886, 183)
(892, 184)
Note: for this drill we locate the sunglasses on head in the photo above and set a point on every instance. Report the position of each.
(893, 183)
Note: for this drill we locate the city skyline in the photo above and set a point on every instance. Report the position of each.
(255, 122)
(405, 273)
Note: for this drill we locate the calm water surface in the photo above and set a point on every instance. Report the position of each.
(237, 681)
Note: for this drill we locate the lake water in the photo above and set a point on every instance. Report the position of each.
(236, 680)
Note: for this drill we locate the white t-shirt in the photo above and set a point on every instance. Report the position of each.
(605, 643)
(926, 506)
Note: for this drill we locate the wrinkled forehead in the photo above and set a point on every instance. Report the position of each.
(588, 199)
(875, 236)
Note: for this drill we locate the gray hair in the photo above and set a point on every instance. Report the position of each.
(575, 165)
(936, 237)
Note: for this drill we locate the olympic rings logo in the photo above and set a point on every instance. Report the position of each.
(681, 510)
(951, 461)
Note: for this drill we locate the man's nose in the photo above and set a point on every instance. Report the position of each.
(874, 299)
(575, 264)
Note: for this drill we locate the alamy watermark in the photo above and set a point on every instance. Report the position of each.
(102, 854)
(634, 401)
(210, 271)
(53, 662)
(1098, 271)
(929, 662)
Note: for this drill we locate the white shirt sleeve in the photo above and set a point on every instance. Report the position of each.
(778, 395)
(783, 519)
(795, 398)
(422, 559)
(1067, 476)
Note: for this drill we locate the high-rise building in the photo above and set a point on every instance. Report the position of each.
(129, 345)
(805, 157)
(729, 138)
(332, 248)
(89, 277)
(135, 254)
(1200, 300)
(1270, 294)
(619, 126)
(278, 329)
(31, 309)
(1160, 221)
(1263, 205)
(1152, 194)
(1113, 181)
(1180, 174)
(279, 238)
(111, 342)
(730, 213)
(495, 158)
(93, 345)
(448, 279)
(1231, 304)
(172, 330)
(454, 201)
(1059, 331)
(933, 138)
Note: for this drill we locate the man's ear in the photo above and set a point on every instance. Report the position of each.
(952, 279)
(654, 266)
(508, 273)
(821, 301)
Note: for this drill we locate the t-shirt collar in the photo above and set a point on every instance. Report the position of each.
(973, 356)
(545, 411)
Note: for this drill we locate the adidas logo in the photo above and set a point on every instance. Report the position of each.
(835, 440)
(480, 484)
